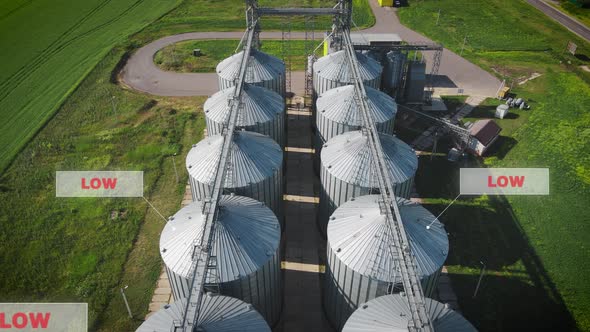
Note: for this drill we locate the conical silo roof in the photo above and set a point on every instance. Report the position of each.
(218, 313)
(335, 67)
(247, 235)
(357, 234)
(262, 67)
(392, 313)
(339, 105)
(348, 158)
(260, 105)
(253, 158)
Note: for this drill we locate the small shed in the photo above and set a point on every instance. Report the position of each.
(483, 133)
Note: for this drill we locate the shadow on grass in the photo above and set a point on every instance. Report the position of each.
(487, 230)
(501, 147)
(582, 57)
(509, 304)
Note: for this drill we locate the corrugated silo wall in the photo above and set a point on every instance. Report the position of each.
(269, 192)
(345, 289)
(276, 84)
(322, 84)
(263, 289)
(274, 129)
(328, 129)
(335, 192)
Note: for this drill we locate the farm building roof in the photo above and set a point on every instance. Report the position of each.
(485, 131)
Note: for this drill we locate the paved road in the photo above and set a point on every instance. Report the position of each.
(142, 74)
(562, 18)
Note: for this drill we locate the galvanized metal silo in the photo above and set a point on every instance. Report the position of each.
(392, 313)
(263, 112)
(263, 70)
(218, 313)
(337, 113)
(246, 249)
(347, 170)
(415, 82)
(255, 171)
(333, 70)
(360, 265)
(393, 71)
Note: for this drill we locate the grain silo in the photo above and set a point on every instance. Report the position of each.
(263, 112)
(393, 71)
(392, 313)
(218, 313)
(337, 112)
(415, 82)
(333, 70)
(360, 265)
(347, 170)
(255, 171)
(263, 70)
(246, 251)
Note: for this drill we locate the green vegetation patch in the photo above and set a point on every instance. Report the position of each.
(534, 246)
(48, 47)
(74, 249)
(228, 15)
(179, 57)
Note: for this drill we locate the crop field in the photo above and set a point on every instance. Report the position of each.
(179, 57)
(41, 63)
(535, 248)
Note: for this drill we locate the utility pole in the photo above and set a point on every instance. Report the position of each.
(174, 165)
(483, 268)
(462, 47)
(114, 104)
(126, 303)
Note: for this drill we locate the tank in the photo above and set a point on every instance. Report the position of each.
(359, 265)
(246, 249)
(218, 313)
(416, 82)
(337, 113)
(264, 70)
(333, 70)
(255, 168)
(347, 171)
(393, 71)
(263, 112)
(392, 313)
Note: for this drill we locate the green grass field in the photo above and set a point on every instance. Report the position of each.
(535, 247)
(179, 57)
(48, 47)
(74, 249)
(228, 15)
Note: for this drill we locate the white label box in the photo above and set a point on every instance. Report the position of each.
(504, 181)
(50, 317)
(99, 184)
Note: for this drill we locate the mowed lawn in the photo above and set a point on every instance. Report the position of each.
(179, 57)
(536, 248)
(48, 46)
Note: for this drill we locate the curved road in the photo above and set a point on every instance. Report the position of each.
(142, 74)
